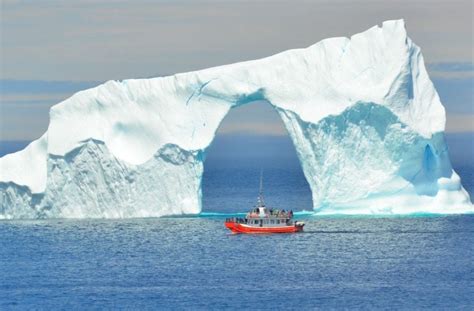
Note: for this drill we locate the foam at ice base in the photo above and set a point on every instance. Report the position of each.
(362, 112)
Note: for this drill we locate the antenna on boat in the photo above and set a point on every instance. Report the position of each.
(260, 201)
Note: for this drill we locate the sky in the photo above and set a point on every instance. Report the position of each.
(51, 49)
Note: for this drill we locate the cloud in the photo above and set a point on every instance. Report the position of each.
(451, 70)
(102, 40)
(37, 87)
(252, 128)
(25, 104)
(460, 123)
(20, 98)
(256, 118)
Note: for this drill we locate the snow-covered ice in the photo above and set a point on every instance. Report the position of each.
(366, 121)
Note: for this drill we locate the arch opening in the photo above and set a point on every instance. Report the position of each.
(250, 138)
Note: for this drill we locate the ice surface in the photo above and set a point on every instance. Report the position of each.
(362, 112)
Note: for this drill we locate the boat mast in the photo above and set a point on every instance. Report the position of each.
(260, 201)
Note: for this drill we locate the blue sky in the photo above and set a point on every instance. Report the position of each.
(51, 49)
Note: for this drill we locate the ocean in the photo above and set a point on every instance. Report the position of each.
(195, 263)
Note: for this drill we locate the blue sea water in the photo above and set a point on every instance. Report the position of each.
(195, 263)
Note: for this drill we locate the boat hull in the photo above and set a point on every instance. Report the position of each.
(243, 228)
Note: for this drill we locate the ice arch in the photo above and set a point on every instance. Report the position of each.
(365, 119)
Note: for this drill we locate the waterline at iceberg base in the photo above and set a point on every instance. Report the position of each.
(364, 117)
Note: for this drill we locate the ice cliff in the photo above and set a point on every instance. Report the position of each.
(362, 112)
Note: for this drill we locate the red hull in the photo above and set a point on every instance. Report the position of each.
(243, 228)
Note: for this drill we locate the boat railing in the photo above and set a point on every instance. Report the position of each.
(280, 215)
(266, 220)
(236, 220)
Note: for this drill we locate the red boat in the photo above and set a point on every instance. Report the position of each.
(264, 220)
(265, 225)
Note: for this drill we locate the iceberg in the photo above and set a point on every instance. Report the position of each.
(365, 119)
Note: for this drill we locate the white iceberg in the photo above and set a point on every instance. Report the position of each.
(365, 119)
